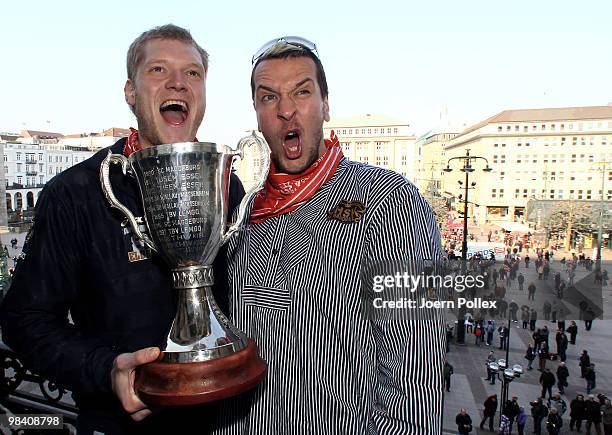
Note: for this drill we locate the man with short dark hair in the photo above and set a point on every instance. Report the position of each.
(547, 380)
(81, 262)
(539, 411)
(448, 372)
(592, 414)
(577, 412)
(464, 422)
(490, 408)
(299, 275)
(562, 375)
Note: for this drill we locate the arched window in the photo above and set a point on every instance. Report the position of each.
(18, 201)
(9, 202)
(30, 199)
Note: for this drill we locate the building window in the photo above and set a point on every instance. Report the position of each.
(500, 128)
(501, 193)
(18, 156)
(588, 194)
(395, 130)
(502, 159)
(501, 175)
(494, 192)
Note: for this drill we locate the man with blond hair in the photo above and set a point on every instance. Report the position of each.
(81, 262)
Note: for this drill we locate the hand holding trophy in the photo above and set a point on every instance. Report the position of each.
(184, 189)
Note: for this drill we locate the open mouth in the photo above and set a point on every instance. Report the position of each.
(292, 144)
(174, 112)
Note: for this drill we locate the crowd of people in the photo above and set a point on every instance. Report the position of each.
(595, 412)
(490, 327)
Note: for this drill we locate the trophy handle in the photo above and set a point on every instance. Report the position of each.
(252, 139)
(107, 188)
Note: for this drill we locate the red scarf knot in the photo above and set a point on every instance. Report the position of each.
(284, 193)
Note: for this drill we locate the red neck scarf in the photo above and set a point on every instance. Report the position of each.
(284, 193)
(132, 144)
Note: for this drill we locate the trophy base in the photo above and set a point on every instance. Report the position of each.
(192, 383)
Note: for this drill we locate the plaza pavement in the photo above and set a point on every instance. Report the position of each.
(469, 389)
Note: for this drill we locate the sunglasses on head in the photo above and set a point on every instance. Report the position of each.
(295, 41)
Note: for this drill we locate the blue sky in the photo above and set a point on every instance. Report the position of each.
(64, 62)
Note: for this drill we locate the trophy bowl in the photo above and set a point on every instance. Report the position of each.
(184, 189)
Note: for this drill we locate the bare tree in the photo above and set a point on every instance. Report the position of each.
(570, 218)
(439, 205)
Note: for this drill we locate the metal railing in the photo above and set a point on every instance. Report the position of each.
(40, 397)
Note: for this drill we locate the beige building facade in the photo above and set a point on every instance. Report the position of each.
(431, 160)
(377, 140)
(551, 154)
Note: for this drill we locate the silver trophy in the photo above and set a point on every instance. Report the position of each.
(184, 189)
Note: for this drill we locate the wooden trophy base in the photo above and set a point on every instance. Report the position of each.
(176, 384)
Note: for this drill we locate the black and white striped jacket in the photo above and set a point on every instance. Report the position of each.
(295, 288)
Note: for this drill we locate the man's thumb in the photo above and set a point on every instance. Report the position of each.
(146, 355)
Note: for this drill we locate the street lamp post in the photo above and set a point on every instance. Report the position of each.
(467, 168)
(505, 375)
(603, 167)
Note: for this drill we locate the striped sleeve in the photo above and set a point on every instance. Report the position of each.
(409, 347)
